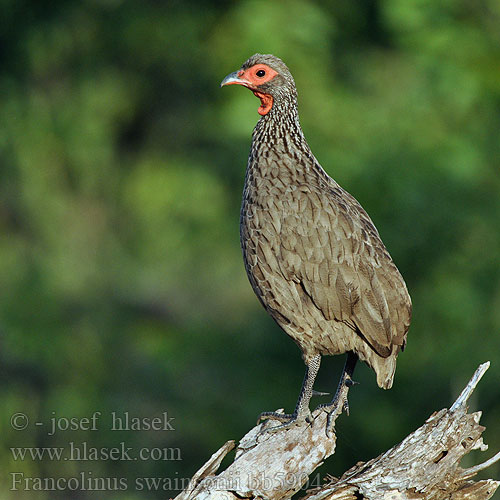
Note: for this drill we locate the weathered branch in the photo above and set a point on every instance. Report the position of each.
(425, 465)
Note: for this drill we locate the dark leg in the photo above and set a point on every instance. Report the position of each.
(339, 401)
(302, 408)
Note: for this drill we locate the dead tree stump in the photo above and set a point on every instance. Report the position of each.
(424, 466)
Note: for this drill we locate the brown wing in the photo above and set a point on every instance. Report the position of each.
(330, 245)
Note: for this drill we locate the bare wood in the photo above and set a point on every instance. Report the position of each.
(425, 465)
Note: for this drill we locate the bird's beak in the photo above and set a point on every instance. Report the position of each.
(234, 78)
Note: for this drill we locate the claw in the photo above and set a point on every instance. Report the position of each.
(319, 393)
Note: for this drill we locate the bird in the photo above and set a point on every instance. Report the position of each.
(313, 256)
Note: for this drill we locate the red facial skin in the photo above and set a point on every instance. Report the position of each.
(249, 79)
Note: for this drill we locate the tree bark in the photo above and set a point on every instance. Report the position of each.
(425, 465)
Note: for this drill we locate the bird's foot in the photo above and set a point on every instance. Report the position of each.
(287, 419)
(338, 404)
(275, 415)
(301, 415)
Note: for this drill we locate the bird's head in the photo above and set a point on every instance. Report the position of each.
(267, 77)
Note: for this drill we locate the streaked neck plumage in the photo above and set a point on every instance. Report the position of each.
(281, 125)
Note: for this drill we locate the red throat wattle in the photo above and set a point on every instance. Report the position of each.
(266, 102)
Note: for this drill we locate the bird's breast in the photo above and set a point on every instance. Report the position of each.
(282, 217)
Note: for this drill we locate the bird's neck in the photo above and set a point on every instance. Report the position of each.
(279, 129)
(278, 137)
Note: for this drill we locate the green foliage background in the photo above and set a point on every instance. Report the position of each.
(122, 163)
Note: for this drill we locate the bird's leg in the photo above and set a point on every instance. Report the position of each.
(339, 401)
(301, 412)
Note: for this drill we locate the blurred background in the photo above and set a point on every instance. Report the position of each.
(122, 166)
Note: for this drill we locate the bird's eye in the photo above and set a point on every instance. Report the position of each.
(261, 73)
